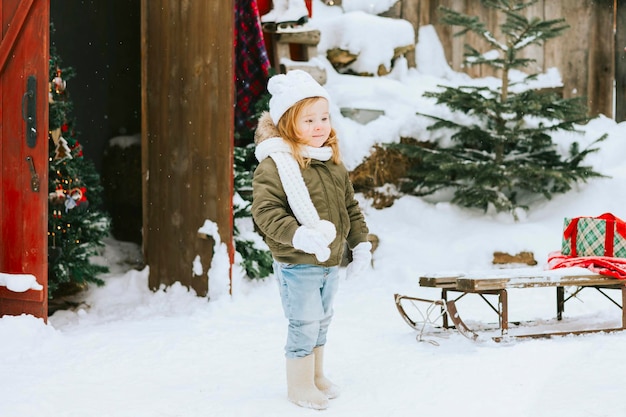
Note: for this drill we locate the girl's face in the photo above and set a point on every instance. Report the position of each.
(313, 123)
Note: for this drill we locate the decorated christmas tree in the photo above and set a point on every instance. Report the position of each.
(77, 224)
(501, 154)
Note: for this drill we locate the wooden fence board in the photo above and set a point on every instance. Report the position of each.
(410, 12)
(585, 56)
(456, 43)
(534, 51)
(575, 53)
(601, 66)
(552, 49)
(620, 61)
(475, 8)
(427, 12)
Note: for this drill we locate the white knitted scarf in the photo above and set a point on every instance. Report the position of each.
(298, 195)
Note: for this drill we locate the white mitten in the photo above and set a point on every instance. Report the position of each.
(311, 241)
(361, 259)
(327, 229)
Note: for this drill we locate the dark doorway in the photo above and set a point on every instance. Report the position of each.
(101, 42)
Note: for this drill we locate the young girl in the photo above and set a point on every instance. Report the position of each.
(304, 207)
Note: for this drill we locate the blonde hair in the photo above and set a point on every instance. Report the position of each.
(288, 129)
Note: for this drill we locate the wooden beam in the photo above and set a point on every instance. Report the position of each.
(187, 136)
(14, 29)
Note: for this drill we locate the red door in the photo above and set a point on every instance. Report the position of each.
(24, 54)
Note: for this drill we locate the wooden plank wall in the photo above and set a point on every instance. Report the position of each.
(601, 63)
(410, 12)
(620, 61)
(187, 135)
(585, 55)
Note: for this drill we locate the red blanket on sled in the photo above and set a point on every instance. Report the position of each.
(603, 265)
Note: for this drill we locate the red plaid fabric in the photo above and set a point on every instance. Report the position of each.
(251, 64)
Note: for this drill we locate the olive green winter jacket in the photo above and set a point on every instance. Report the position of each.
(331, 193)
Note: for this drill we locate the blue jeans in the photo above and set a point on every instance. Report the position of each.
(307, 293)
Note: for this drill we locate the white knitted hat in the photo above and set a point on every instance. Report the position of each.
(288, 89)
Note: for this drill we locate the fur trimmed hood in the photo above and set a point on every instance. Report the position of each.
(265, 129)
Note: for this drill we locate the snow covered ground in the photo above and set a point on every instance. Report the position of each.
(129, 352)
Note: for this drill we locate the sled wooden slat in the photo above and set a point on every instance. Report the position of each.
(475, 284)
(497, 283)
(439, 282)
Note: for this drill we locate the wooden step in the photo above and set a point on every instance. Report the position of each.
(281, 42)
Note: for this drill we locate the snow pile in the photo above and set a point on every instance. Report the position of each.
(19, 282)
(373, 48)
(127, 351)
(369, 6)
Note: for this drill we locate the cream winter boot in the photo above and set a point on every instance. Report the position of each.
(321, 382)
(300, 386)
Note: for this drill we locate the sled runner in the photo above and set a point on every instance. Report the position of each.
(424, 314)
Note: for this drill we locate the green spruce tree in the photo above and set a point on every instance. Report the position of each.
(504, 156)
(77, 224)
(256, 258)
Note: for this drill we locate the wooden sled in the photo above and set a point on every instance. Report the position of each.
(418, 312)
